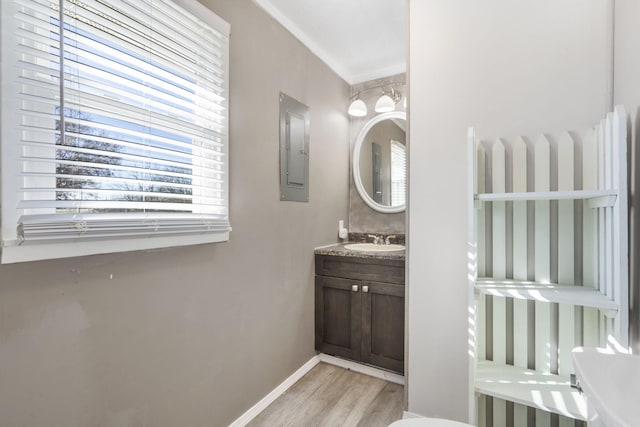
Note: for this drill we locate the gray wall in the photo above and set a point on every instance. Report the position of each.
(362, 218)
(627, 92)
(507, 68)
(191, 336)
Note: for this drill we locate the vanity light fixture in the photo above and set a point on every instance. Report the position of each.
(387, 103)
(357, 108)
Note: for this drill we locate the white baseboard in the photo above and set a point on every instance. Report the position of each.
(407, 414)
(277, 392)
(363, 369)
(284, 386)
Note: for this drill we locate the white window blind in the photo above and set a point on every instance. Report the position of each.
(114, 126)
(398, 173)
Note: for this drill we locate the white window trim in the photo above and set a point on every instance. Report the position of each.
(13, 250)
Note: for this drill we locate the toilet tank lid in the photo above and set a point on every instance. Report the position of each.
(428, 422)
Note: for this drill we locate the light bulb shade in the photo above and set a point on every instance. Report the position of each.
(385, 104)
(358, 108)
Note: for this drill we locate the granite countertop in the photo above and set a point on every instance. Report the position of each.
(339, 250)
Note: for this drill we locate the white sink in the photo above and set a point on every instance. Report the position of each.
(611, 383)
(370, 247)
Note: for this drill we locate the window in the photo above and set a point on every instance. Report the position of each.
(398, 173)
(114, 126)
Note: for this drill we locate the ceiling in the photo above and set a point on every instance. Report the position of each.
(360, 40)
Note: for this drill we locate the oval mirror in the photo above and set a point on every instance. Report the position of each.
(379, 162)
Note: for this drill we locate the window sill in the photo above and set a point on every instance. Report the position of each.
(75, 248)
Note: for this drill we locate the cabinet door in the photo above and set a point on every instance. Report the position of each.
(338, 309)
(383, 325)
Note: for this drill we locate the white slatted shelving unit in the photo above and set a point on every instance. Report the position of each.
(548, 267)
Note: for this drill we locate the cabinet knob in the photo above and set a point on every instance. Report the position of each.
(354, 288)
(365, 288)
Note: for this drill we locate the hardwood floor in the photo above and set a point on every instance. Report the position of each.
(335, 397)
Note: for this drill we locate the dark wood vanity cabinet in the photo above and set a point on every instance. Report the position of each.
(359, 309)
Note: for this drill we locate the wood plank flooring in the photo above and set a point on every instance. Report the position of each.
(330, 396)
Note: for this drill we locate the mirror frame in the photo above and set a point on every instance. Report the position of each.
(356, 162)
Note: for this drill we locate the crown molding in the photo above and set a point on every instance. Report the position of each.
(304, 38)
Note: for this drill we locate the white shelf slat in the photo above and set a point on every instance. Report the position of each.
(520, 269)
(499, 250)
(599, 198)
(548, 392)
(567, 328)
(544, 322)
(563, 294)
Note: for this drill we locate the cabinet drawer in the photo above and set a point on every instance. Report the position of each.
(379, 270)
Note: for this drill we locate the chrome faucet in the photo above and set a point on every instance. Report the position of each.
(377, 240)
(387, 241)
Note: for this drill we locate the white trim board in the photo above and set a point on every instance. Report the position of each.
(378, 73)
(347, 73)
(256, 409)
(362, 369)
(407, 414)
(302, 36)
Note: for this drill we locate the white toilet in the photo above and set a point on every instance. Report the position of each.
(428, 422)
